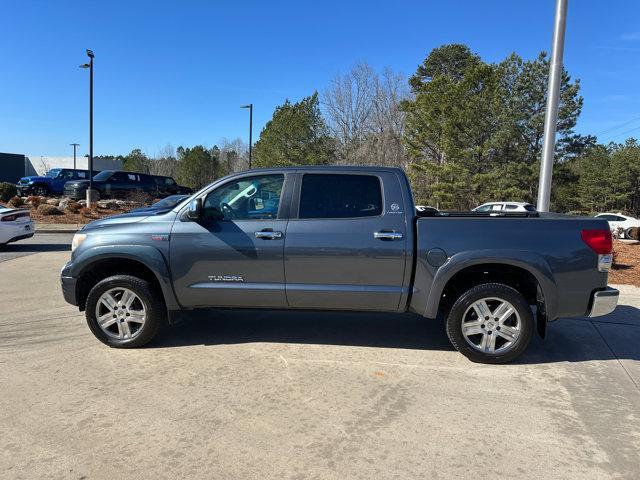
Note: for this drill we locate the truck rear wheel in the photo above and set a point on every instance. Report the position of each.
(124, 311)
(490, 323)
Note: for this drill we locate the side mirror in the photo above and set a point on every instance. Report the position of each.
(195, 209)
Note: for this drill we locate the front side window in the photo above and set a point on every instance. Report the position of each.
(483, 208)
(103, 176)
(66, 175)
(119, 177)
(340, 196)
(252, 198)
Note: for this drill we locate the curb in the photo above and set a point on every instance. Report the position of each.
(45, 230)
(49, 229)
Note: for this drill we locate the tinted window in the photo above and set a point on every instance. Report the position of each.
(609, 218)
(620, 219)
(82, 174)
(252, 198)
(66, 175)
(530, 208)
(340, 196)
(103, 176)
(120, 177)
(510, 207)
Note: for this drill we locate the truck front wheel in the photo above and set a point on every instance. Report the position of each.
(124, 311)
(490, 323)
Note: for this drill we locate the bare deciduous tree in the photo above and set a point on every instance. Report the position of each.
(164, 162)
(234, 155)
(363, 110)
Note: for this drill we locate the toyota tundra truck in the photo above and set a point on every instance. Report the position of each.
(340, 238)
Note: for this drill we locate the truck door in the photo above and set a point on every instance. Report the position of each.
(346, 241)
(63, 177)
(233, 256)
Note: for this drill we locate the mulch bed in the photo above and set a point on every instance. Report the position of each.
(626, 269)
(67, 217)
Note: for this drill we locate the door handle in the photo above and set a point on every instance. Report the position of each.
(268, 234)
(387, 235)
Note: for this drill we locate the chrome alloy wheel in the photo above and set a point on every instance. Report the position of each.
(491, 325)
(120, 313)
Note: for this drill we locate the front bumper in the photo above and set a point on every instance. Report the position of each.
(74, 193)
(604, 302)
(24, 190)
(68, 284)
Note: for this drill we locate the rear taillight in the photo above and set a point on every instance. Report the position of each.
(600, 241)
(13, 217)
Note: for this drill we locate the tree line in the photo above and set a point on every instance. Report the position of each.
(466, 132)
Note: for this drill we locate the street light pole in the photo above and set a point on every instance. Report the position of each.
(74, 145)
(91, 195)
(551, 113)
(250, 107)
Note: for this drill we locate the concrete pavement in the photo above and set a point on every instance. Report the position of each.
(291, 395)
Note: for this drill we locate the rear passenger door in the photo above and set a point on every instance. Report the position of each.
(346, 241)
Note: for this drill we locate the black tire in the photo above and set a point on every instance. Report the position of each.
(493, 291)
(151, 299)
(41, 191)
(627, 233)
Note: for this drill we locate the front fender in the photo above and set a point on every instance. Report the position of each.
(529, 261)
(149, 256)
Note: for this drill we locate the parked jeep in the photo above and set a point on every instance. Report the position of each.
(52, 183)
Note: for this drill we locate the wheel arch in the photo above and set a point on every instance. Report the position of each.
(516, 269)
(143, 262)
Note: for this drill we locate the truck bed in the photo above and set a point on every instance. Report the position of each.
(548, 245)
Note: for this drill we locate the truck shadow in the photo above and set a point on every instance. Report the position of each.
(568, 340)
(389, 330)
(34, 247)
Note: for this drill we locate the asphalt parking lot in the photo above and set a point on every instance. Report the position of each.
(290, 395)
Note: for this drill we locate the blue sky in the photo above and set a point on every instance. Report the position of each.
(177, 72)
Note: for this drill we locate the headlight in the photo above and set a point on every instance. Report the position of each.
(78, 238)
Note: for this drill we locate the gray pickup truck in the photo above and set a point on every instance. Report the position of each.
(343, 238)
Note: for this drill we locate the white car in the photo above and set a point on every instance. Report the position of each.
(15, 224)
(505, 207)
(619, 220)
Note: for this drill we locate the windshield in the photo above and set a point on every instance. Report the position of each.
(169, 202)
(102, 176)
(53, 173)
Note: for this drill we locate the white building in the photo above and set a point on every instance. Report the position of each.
(43, 164)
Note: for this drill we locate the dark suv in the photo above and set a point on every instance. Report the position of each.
(115, 183)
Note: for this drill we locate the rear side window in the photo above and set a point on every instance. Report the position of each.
(340, 196)
(511, 207)
(530, 208)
